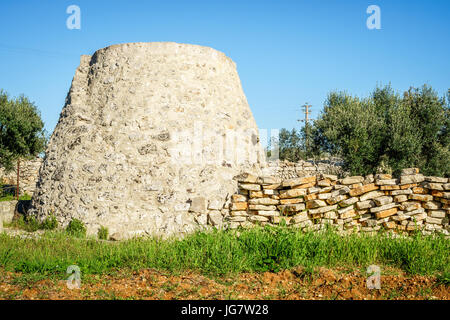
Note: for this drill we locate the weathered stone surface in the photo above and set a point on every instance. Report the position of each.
(383, 200)
(292, 193)
(324, 183)
(389, 187)
(331, 177)
(261, 207)
(215, 218)
(256, 194)
(432, 205)
(437, 214)
(238, 198)
(386, 213)
(323, 196)
(250, 186)
(239, 206)
(389, 182)
(272, 186)
(198, 205)
(390, 225)
(291, 201)
(336, 199)
(139, 135)
(363, 189)
(371, 195)
(433, 220)
(384, 207)
(401, 198)
(365, 204)
(433, 186)
(341, 190)
(258, 218)
(289, 209)
(347, 212)
(421, 197)
(323, 209)
(215, 204)
(246, 177)
(330, 215)
(326, 190)
(348, 202)
(409, 171)
(238, 213)
(352, 180)
(313, 190)
(267, 213)
(409, 206)
(415, 212)
(269, 180)
(312, 204)
(436, 179)
(270, 192)
(414, 178)
(263, 201)
(419, 190)
(298, 181)
(301, 217)
(401, 192)
(383, 176)
(237, 218)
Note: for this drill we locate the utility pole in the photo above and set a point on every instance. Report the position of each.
(306, 107)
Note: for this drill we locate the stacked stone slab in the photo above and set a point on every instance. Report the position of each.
(367, 204)
(137, 148)
(288, 170)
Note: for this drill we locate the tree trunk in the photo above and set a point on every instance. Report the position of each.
(18, 178)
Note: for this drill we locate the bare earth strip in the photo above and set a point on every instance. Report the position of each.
(296, 284)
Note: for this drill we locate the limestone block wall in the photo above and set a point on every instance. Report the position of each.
(366, 204)
(148, 131)
(29, 171)
(7, 211)
(287, 170)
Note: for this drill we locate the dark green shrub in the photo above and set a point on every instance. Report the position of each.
(50, 223)
(76, 228)
(387, 132)
(32, 224)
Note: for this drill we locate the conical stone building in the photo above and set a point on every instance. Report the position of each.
(148, 141)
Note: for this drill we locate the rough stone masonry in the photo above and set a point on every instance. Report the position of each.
(148, 141)
(413, 202)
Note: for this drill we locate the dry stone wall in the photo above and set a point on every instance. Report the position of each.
(7, 209)
(287, 170)
(29, 171)
(356, 203)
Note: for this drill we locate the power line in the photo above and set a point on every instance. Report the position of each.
(38, 51)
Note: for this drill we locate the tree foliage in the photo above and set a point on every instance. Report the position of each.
(290, 145)
(22, 132)
(387, 130)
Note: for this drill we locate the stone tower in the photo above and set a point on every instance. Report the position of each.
(148, 141)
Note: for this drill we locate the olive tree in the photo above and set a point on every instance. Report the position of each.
(22, 133)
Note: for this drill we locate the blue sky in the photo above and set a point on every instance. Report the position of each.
(287, 52)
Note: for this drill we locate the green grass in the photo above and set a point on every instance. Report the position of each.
(31, 224)
(11, 197)
(224, 252)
